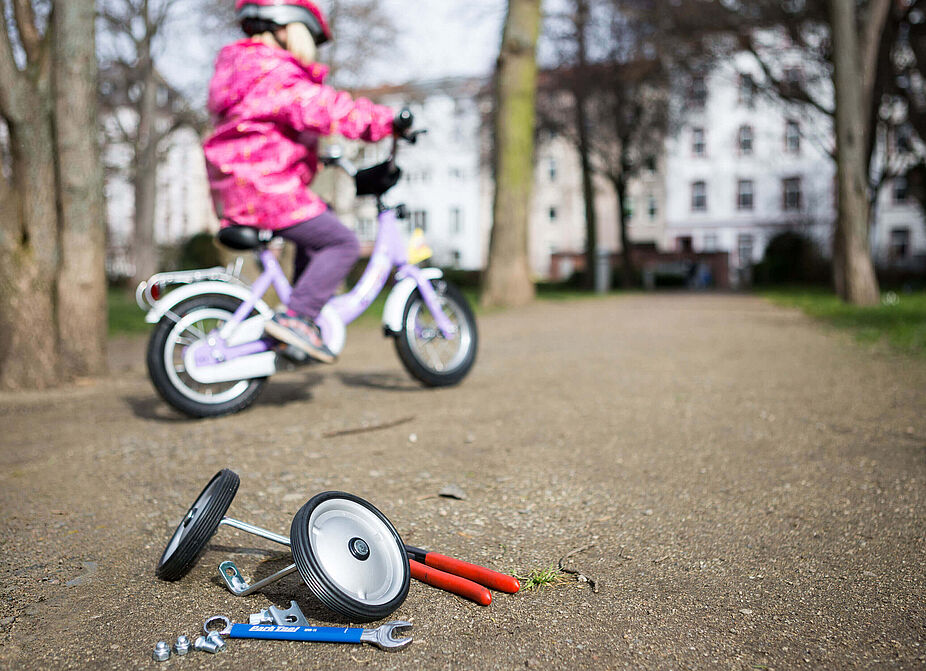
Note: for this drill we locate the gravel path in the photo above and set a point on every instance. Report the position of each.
(739, 488)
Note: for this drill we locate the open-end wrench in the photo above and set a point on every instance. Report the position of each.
(381, 637)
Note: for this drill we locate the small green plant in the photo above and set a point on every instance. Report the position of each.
(539, 578)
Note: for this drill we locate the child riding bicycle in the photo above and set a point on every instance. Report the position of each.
(270, 106)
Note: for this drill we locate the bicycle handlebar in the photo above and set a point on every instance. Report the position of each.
(335, 156)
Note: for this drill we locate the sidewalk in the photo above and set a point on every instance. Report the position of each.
(744, 488)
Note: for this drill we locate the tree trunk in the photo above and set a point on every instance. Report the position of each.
(507, 279)
(588, 192)
(620, 189)
(81, 278)
(28, 253)
(588, 184)
(858, 284)
(146, 167)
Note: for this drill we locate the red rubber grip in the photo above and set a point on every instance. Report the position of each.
(480, 574)
(450, 583)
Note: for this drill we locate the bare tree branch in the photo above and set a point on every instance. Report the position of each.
(25, 25)
(786, 91)
(11, 79)
(870, 42)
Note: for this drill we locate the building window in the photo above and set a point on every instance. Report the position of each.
(551, 169)
(697, 92)
(457, 256)
(698, 143)
(793, 137)
(744, 244)
(651, 165)
(900, 244)
(651, 207)
(552, 215)
(628, 207)
(710, 242)
(745, 140)
(793, 78)
(419, 219)
(456, 221)
(683, 243)
(699, 197)
(791, 190)
(745, 194)
(456, 174)
(901, 190)
(747, 90)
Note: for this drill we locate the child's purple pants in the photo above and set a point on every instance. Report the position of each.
(326, 250)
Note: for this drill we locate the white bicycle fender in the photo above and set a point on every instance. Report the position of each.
(187, 291)
(398, 297)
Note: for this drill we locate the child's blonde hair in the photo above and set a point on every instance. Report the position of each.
(299, 42)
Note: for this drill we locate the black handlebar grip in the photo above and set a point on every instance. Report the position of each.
(403, 121)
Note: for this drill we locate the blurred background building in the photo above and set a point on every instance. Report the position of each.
(736, 170)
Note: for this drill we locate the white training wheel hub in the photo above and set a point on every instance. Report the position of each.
(350, 556)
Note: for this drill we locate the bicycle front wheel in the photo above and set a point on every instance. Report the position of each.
(427, 355)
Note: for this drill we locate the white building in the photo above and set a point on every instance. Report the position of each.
(741, 169)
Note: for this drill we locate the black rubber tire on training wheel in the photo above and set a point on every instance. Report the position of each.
(357, 565)
(198, 526)
(425, 371)
(172, 387)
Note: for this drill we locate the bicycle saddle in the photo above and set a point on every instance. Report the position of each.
(243, 237)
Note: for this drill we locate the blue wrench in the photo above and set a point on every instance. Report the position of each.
(381, 636)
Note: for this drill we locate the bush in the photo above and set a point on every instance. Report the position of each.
(199, 251)
(791, 258)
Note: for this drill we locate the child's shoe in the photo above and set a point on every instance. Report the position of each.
(299, 332)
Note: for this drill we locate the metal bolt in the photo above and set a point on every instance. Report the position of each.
(182, 646)
(161, 651)
(215, 638)
(203, 645)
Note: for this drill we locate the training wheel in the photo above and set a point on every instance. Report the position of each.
(350, 556)
(198, 526)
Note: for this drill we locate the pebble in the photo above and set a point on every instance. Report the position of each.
(453, 492)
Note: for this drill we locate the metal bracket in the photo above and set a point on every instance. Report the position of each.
(273, 615)
(238, 586)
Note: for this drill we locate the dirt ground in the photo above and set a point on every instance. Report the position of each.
(744, 489)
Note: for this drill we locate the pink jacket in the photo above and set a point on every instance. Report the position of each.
(269, 111)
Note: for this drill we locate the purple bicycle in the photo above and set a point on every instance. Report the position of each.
(208, 354)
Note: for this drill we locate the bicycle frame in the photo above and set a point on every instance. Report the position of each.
(389, 252)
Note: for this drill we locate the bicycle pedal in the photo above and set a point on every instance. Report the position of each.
(294, 354)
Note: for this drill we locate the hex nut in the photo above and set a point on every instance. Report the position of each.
(182, 646)
(161, 651)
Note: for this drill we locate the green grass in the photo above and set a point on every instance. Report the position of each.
(899, 322)
(540, 578)
(125, 318)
